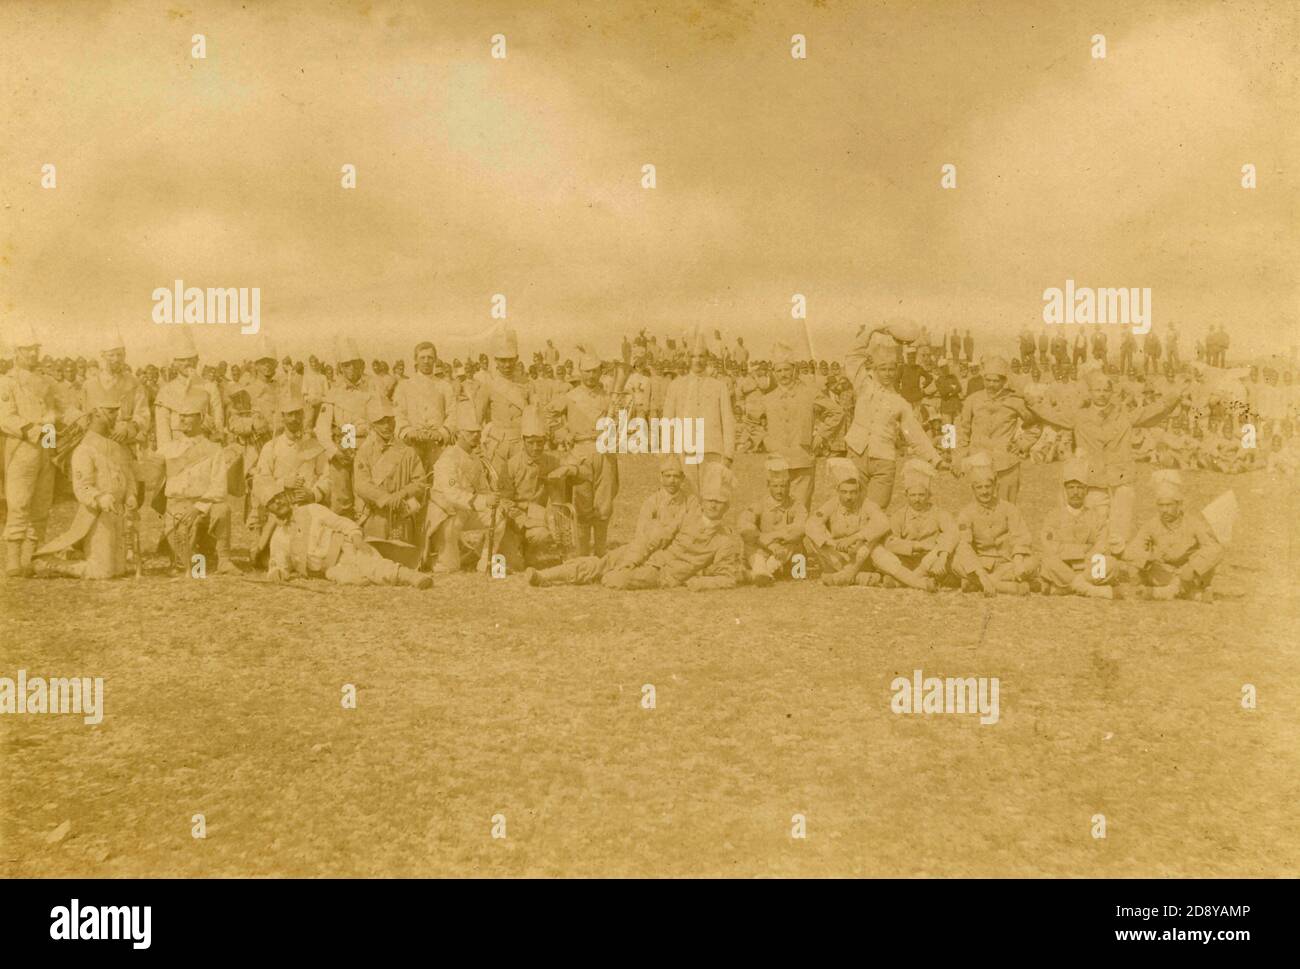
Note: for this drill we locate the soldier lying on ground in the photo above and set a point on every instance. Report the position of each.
(310, 541)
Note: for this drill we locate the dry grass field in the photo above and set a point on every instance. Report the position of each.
(485, 697)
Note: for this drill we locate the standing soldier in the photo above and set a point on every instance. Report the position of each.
(596, 484)
(773, 527)
(115, 380)
(425, 404)
(29, 411)
(697, 395)
(793, 410)
(880, 415)
(174, 393)
(342, 426)
(251, 420)
(462, 498)
(501, 396)
(989, 422)
(389, 479)
(197, 516)
(104, 482)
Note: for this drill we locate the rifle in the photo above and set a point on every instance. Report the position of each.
(494, 483)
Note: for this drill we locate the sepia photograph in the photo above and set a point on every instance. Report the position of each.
(693, 440)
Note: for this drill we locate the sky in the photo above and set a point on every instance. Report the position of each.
(523, 175)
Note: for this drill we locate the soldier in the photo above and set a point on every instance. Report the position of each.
(1073, 542)
(843, 532)
(989, 422)
(104, 483)
(773, 527)
(292, 460)
(311, 541)
(252, 415)
(704, 553)
(880, 415)
(187, 380)
(794, 411)
(115, 380)
(30, 407)
(501, 396)
(596, 484)
(197, 515)
(389, 479)
(1103, 431)
(527, 481)
(663, 512)
(1175, 553)
(923, 536)
(462, 513)
(342, 426)
(994, 552)
(697, 395)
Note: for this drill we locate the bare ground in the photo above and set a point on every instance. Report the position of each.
(484, 697)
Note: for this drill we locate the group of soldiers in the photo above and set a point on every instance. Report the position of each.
(384, 478)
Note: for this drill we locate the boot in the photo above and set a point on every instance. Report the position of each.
(226, 563)
(841, 578)
(1085, 588)
(867, 579)
(599, 533)
(14, 558)
(25, 561)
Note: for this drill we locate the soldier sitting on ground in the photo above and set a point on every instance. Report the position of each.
(1175, 553)
(994, 553)
(773, 527)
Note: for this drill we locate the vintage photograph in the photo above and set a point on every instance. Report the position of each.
(711, 439)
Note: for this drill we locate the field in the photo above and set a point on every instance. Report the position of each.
(484, 697)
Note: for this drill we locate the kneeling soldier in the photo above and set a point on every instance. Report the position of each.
(104, 482)
(197, 516)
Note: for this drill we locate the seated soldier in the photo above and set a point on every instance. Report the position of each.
(388, 479)
(773, 527)
(461, 524)
(844, 532)
(1175, 553)
(923, 536)
(310, 541)
(994, 551)
(293, 458)
(1074, 540)
(527, 481)
(703, 554)
(664, 510)
(197, 518)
